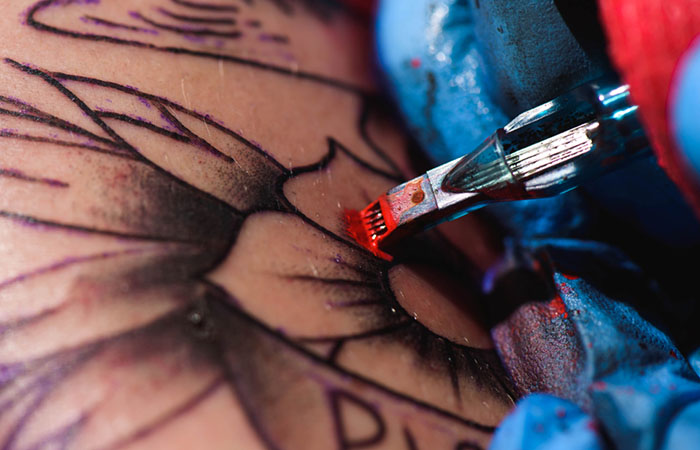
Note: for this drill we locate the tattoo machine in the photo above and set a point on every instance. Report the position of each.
(543, 152)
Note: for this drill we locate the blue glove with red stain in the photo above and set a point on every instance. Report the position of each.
(459, 69)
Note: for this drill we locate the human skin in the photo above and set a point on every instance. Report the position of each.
(174, 270)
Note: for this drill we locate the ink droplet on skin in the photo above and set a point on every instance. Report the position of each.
(415, 63)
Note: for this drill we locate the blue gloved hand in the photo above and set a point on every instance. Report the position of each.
(597, 355)
(589, 349)
(459, 69)
(545, 422)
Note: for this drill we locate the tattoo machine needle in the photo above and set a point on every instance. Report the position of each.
(545, 151)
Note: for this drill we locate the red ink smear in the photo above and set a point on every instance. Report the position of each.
(558, 307)
(561, 412)
(592, 425)
(415, 63)
(599, 385)
(364, 6)
(570, 277)
(565, 289)
(673, 354)
(355, 229)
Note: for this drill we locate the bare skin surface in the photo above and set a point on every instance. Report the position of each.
(174, 272)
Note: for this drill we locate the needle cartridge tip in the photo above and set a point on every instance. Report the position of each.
(402, 211)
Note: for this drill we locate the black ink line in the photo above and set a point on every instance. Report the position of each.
(42, 117)
(52, 81)
(71, 96)
(40, 26)
(364, 164)
(392, 302)
(343, 440)
(16, 174)
(410, 440)
(340, 370)
(206, 6)
(188, 31)
(170, 104)
(363, 122)
(432, 340)
(122, 26)
(355, 337)
(193, 19)
(196, 140)
(333, 147)
(335, 351)
(322, 164)
(143, 124)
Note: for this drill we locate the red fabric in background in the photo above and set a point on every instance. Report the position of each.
(647, 39)
(366, 6)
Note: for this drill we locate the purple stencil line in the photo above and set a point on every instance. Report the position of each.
(62, 436)
(18, 175)
(71, 261)
(185, 407)
(7, 133)
(206, 6)
(108, 23)
(186, 30)
(196, 19)
(277, 38)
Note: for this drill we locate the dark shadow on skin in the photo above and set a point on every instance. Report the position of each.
(211, 227)
(204, 318)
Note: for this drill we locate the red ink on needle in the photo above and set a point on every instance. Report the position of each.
(356, 229)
